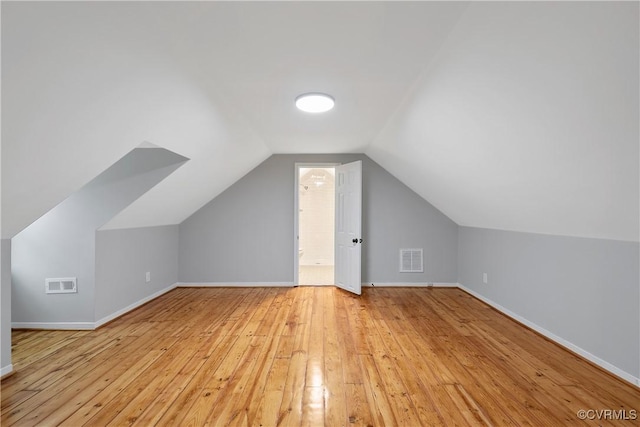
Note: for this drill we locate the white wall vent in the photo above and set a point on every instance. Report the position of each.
(65, 285)
(411, 261)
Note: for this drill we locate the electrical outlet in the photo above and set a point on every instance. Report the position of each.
(147, 277)
(485, 279)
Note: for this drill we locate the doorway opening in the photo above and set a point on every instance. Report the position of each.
(315, 225)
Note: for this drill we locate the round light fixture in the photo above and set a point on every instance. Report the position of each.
(315, 102)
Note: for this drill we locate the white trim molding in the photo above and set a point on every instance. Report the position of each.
(70, 326)
(235, 284)
(82, 326)
(6, 370)
(409, 285)
(555, 338)
(133, 306)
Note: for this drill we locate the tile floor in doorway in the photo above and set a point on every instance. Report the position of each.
(316, 275)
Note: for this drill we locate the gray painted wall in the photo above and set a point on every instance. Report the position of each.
(5, 301)
(122, 259)
(583, 290)
(246, 234)
(62, 242)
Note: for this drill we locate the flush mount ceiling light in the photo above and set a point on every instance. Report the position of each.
(315, 102)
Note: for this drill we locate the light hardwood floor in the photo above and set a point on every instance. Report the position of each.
(306, 356)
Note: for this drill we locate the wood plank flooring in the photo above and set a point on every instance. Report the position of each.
(307, 356)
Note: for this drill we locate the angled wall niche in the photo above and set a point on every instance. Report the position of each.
(62, 243)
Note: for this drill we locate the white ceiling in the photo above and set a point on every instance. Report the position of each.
(514, 116)
(528, 120)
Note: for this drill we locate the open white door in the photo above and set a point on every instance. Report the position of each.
(348, 237)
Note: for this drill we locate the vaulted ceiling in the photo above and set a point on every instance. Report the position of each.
(518, 116)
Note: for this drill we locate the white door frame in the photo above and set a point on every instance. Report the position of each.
(296, 213)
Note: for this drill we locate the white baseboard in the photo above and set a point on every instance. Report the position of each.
(235, 284)
(409, 285)
(561, 341)
(133, 306)
(71, 326)
(6, 370)
(90, 325)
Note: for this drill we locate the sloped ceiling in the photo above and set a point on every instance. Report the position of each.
(513, 116)
(527, 120)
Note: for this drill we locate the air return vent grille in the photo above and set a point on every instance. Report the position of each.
(411, 261)
(66, 285)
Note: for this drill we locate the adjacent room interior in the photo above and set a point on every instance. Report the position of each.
(320, 213)
(316, 225)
